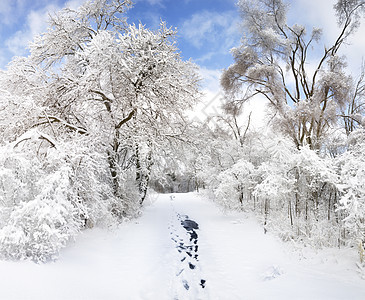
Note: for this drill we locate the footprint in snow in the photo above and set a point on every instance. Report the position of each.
(189, 250)
(272, 273)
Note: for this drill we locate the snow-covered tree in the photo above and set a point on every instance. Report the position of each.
(352, 186)
(123, 86)
(353, 113)
(236, 184)
(89, 109)
(274, 61)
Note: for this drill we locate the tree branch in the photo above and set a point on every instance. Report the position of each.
(129, 117)
(52, 119)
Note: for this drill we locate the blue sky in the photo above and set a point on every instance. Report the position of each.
(207, 29)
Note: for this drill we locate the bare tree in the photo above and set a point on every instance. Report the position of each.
(354, 111)
(231, 119)
(274, 61)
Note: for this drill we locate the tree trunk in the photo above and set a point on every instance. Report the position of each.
(240, 190)
(143, 174)
(266, 214)
(297, 193)
(329, 207)
(114, 166)
(290, 213)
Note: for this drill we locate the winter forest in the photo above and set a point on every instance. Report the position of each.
(95, 120)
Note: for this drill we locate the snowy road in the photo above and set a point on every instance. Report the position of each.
(183, 247)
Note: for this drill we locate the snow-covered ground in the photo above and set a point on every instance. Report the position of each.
(183, 247)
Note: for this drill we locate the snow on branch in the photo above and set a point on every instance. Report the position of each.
(34, 134)
(125, 120)
(53, 119)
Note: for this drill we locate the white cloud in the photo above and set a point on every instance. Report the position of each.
(257, 107)
(152, 2)
(153, 19)
(321, 14)
(155, 2)
(17, 43)
(206, 57)
(211, 79)
(36, 23)
(5, 6)
(10, 10)
(211, 27)
(74, 4)
(210, 105)
(355, 50)
(213, 98)
(3, 59)
(212, 101)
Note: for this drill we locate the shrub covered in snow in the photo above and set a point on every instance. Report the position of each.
(235, 184)
(351, 167)
(39, 211)
(46, 200)
(38, 229)
(294, 191)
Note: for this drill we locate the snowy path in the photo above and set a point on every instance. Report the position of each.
(184, 248)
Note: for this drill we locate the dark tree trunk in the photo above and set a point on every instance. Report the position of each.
(114, 165)
(143, 173)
